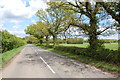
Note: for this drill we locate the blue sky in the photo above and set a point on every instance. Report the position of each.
(15, 15)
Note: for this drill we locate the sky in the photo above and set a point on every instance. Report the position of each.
(16, 15)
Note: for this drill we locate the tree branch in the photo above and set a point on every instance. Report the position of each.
(100, 32)
(83, 27)
(114, 16)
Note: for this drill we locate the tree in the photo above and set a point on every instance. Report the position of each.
(57, 19)
(39, 30)
(43, 28)
(113, 8)
(88, 19)
(31, 39)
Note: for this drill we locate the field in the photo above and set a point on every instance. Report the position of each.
(111, 46)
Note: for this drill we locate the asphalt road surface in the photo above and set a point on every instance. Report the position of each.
(34, 62)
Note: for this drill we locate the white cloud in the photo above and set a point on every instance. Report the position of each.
(15, 27)
(19, 33)
(33, 21)
(16, 32)
(16, 9)
(111, 19)
(115, 36)
(37, 4)
(15, 21)
(1, 27)
(13, 9)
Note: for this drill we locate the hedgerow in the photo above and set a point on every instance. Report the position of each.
(101, 54)
(9, 41)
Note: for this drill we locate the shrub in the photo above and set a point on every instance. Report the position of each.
(101, 54)
(10, 41)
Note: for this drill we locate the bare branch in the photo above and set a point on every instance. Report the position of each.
(100, 32)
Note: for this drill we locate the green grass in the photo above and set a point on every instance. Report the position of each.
(7, 56)
(111, 46)
(84, 59)
(77, 45)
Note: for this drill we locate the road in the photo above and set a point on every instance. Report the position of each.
(34, 62)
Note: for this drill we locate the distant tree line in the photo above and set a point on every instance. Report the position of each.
(9, 41)
(33, 40)
(109, 40)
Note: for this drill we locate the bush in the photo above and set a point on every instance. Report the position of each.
(10, 41)
(101, 54)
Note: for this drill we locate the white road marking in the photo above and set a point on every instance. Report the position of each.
(29, 59)
(45, 63)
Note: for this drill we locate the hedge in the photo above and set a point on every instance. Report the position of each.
(102, 54)
(9, 41)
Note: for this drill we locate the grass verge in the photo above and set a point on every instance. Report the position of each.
(87, 60)
(7, 56)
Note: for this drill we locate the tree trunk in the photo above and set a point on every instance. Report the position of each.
(93, 40)
(41, 40)
(47, 43)
(54, 40)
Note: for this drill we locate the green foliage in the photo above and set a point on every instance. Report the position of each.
(112, 8)
(32, 40)
(98, 45)
(101, 54)
(109, 40)
(57, 19)
(68, 41)
(74, 41)
(38, 30)
(90, 19)
(10, 41)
